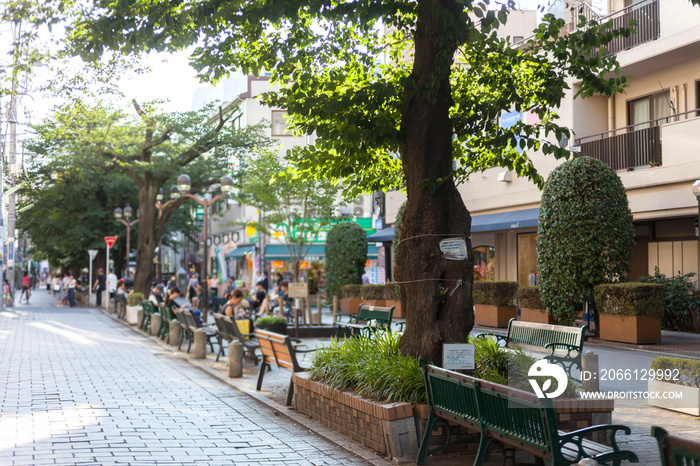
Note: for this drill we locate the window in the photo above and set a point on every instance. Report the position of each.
(484, 263)
(527, 259)
(279, 123)
(649, 108)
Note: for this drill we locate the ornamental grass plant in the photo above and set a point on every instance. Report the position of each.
(371, 366)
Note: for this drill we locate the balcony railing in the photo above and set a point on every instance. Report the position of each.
(630, 147)
(648, 26)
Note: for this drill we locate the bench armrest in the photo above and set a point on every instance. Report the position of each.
(576, 436)
(304, 351)
(569, 349)
(351, 318)
(401, 326)
(499, 338)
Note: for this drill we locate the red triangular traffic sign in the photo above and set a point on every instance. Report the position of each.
(110, 240)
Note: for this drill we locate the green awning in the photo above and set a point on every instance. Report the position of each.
(239, 252)
(274, 252)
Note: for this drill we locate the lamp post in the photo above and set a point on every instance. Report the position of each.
(183, 186)
(126, 213)
(175, 195)
(696, 191)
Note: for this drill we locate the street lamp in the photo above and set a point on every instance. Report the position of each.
(183, 186)
(175, 195)
(126, 213)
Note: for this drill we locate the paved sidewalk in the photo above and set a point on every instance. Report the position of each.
(82, 388)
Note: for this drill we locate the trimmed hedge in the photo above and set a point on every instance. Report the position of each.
(392, 292)
(134, 299)
(529, 297)
(373, 291)
(498, 293)
(346, 255)
(630, 299)
(688, 369)
(352, 291)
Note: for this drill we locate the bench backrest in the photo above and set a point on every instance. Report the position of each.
(189, 320)
(452, 395)
(383, 315)
(221, 326)
(277, 349)
(534, 336)
(676, 451)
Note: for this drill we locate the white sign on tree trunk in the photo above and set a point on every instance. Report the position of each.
(454, 249)
(458, 356)
(299, 290)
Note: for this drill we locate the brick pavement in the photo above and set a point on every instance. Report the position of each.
(81, 388)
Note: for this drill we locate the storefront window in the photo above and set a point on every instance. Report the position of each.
(484, 263)
(527, 259)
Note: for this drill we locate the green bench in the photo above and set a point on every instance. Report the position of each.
(367, 318)
(676, 451)
(511, 417)
(564, 344)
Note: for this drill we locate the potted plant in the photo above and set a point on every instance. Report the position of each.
(675, 375)
(133, 306)
(494, 303)
(393, 298)
(373, 295)
(532, 308)
(630, 312)
(351, 299)
(272, 323)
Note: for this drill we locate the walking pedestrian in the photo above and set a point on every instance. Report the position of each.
(57, 287)
(99, 286)
(26, 287)
(7, 298)
(71, 290)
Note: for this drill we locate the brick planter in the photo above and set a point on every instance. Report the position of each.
(494, 316)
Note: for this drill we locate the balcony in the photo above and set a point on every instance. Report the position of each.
(640, 146)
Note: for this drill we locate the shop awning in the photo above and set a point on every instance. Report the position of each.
(387, 234)
(274, 252)
(505, 220)
(239, 252)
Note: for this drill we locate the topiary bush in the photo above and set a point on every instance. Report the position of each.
(585, 235)
(529, 297)
(346, 255)
(392, 292)
(373, 292)
(351, 291)
(498, 293)
(134, 299)
(630, 299)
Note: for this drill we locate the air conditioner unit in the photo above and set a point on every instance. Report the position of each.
(360, 201)
(358, 212)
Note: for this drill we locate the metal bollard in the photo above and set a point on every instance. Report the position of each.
(155, 324)
(235, 359)
(589, 371)
(174, 333)
(200, 344)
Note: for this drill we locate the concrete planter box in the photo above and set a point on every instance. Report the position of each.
(640, 330)
(350, 305)
(688, 404)
(132, 314)
(494, 316)
(539, 316)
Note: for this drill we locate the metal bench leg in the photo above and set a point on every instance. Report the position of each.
(483, 449)
(261, 374)
(425, 442)
(290, 392)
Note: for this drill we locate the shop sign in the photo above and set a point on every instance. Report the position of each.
(277, 264)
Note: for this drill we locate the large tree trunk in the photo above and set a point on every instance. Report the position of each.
(147, 241)
(435, 292)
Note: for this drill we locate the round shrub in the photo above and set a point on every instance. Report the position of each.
(346, 255)
(585, 235)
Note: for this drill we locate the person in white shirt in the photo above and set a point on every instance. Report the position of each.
(111, 283)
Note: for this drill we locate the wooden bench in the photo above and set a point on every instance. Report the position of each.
(229, 331)
(367, 319)
(564, 344)
(511, 417)
(280, 350)
(676, 451)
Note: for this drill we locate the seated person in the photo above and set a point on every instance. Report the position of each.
(170, 297)
(284, 293)
(175, 301)
(230, 286)
(156, 296)
(260, 295)
(236, 306)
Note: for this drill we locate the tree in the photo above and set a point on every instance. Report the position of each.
(393, 125)
(346, 255)
(149, 147)
(585, 236)
(295, 209)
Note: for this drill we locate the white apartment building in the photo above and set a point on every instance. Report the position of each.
(650, 135)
